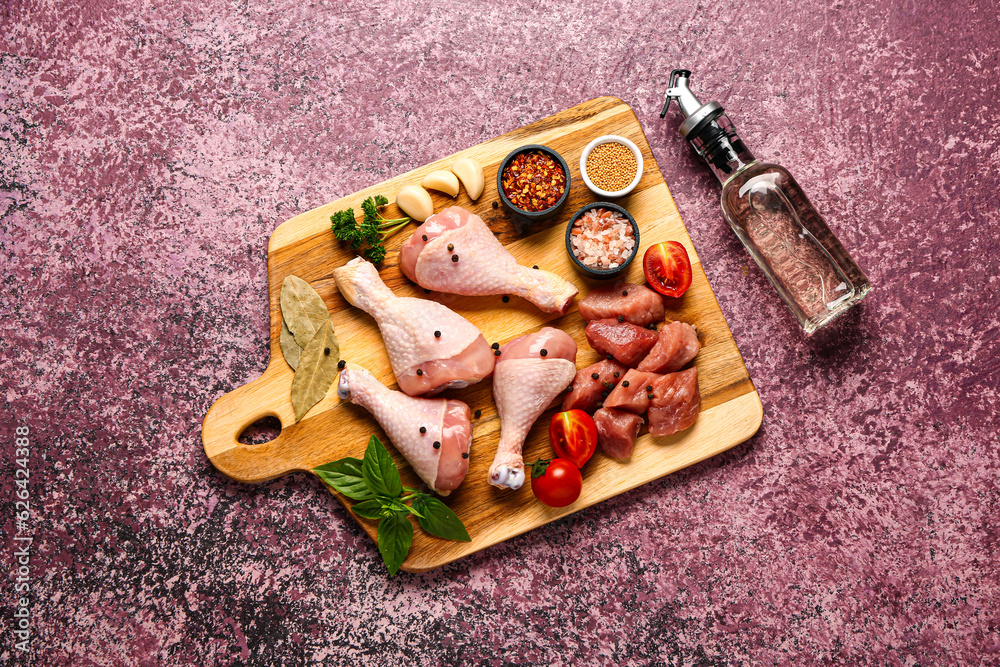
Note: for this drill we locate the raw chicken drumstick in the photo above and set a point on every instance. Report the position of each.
(431, 347)
(433, 434)
(454, 251)
(530, 372)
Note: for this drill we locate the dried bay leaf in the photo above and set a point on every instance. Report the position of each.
(289, 348)
(302, 309)
(316, 371)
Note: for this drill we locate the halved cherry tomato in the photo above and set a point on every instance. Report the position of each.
(556, 483)
(574, 436)
(667, 268)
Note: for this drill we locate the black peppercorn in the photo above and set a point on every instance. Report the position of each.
(506, 299)
(649, 388)
(611, 357)
(600, 404)
(604, 394)
(617, 373)
(479, 413)
(451, 246)
(341, 364)
(495, 346)
(419, 372)
(625, 384)
(437, 445)
(326, 352)
(454, 258)
(595, 375)
(496, 205)
(496, 353)
(625, 293)
(649, 396)
(437, 334)
(423, 429)
(621, 318)
(543, 352)
(465, 455)
(424, 237)
(535, 266)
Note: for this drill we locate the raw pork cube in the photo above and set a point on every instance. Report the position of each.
(636, 303)
(624, 341)
(676, 402)
(632, 394)
(617, 431)
(587, 391)
(677, 344)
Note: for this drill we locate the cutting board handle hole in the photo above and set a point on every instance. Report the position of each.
(263, 430)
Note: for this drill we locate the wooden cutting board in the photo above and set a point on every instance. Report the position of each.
(304, 246)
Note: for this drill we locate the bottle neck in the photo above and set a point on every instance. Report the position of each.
(721, 147)
(741, 161)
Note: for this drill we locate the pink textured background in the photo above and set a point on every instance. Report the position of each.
(148, 151)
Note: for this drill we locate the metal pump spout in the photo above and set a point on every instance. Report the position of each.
(717, 143)
(680, 92)
(696, 115)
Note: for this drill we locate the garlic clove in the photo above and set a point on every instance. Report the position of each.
(470, 172)
(415, 202)
(441, 180)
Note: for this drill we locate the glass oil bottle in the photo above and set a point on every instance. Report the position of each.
(764, 205)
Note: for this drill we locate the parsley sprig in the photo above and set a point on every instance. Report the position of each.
(373, 230)
(376, 484)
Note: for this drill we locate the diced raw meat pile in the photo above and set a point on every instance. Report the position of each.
(641, 374)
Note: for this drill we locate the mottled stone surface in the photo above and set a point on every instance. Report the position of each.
(148, 150)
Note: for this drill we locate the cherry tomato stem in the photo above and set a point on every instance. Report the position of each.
(556, 482)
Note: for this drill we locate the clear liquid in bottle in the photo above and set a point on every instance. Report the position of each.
(792, 244)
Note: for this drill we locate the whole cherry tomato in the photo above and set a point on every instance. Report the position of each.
(574, 436)
(556, 483)
(667, 268)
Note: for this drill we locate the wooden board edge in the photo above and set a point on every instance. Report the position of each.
(754, 418)
(223, 423)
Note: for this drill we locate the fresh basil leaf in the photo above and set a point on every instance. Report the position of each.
(379, 471)
(345, 476)
(347, 465)
(439, 520)
(415, 512)
(395, 535)
(396, 506)
(369, 509)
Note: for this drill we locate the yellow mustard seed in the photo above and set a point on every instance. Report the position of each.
(611, 166)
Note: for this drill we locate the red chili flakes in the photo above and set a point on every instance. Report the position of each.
(534, 181)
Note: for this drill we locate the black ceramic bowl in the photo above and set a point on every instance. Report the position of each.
(519, 214)
(602, 274)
